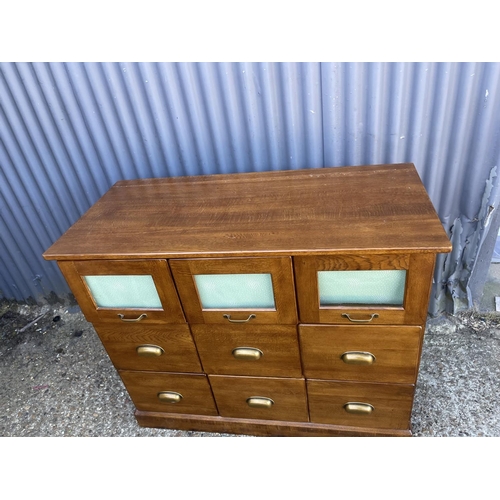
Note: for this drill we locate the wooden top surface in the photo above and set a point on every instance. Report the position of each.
(382, 208)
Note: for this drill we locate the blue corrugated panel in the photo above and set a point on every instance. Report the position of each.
(68, 131)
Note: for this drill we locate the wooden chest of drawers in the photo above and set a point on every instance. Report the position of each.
(274, 303)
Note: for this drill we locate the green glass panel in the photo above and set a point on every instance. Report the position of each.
(361, 287)
(133, 291)
(235, 291)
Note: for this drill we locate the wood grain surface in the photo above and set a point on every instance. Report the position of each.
(255, 427)
(396, 350)
(288, 394)
(121, 343)
(144, 387)
(392, 403)
(382, 208)
(278, 344)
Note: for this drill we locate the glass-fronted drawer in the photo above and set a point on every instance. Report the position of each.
(124, 291)
(236, 291)
(362, 289)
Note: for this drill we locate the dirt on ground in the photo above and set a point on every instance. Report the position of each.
(21, 322)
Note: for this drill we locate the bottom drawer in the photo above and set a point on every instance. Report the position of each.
(360, 404)
(169, 392)
(260, 398)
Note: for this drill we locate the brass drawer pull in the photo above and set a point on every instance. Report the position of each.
(359, 408)
(358, 358)
(251, 353)
(149, 351)
(228, 317)
(169, 397)
(259, 402)
(345, 315)
(133, 320)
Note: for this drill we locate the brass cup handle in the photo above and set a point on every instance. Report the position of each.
(133, 320)
(149, 351)
(345, 315)
(228, 317)
(169, 397)
(359, 408)
(358, 358)
(250, 353)
(259, 402)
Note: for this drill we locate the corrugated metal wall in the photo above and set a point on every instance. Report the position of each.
(68, 131)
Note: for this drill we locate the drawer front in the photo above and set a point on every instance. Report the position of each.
(236, 291)
(169, 392)
(364, 289)
(363, 353)
(269, 351)
(168, 348)
(360, 404)
(136, 291)
(260, 398)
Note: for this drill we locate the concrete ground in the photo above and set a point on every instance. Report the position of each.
(57, 380)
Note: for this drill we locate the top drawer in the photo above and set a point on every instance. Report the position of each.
(124, 291)
(236, 290)
(361, 289)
